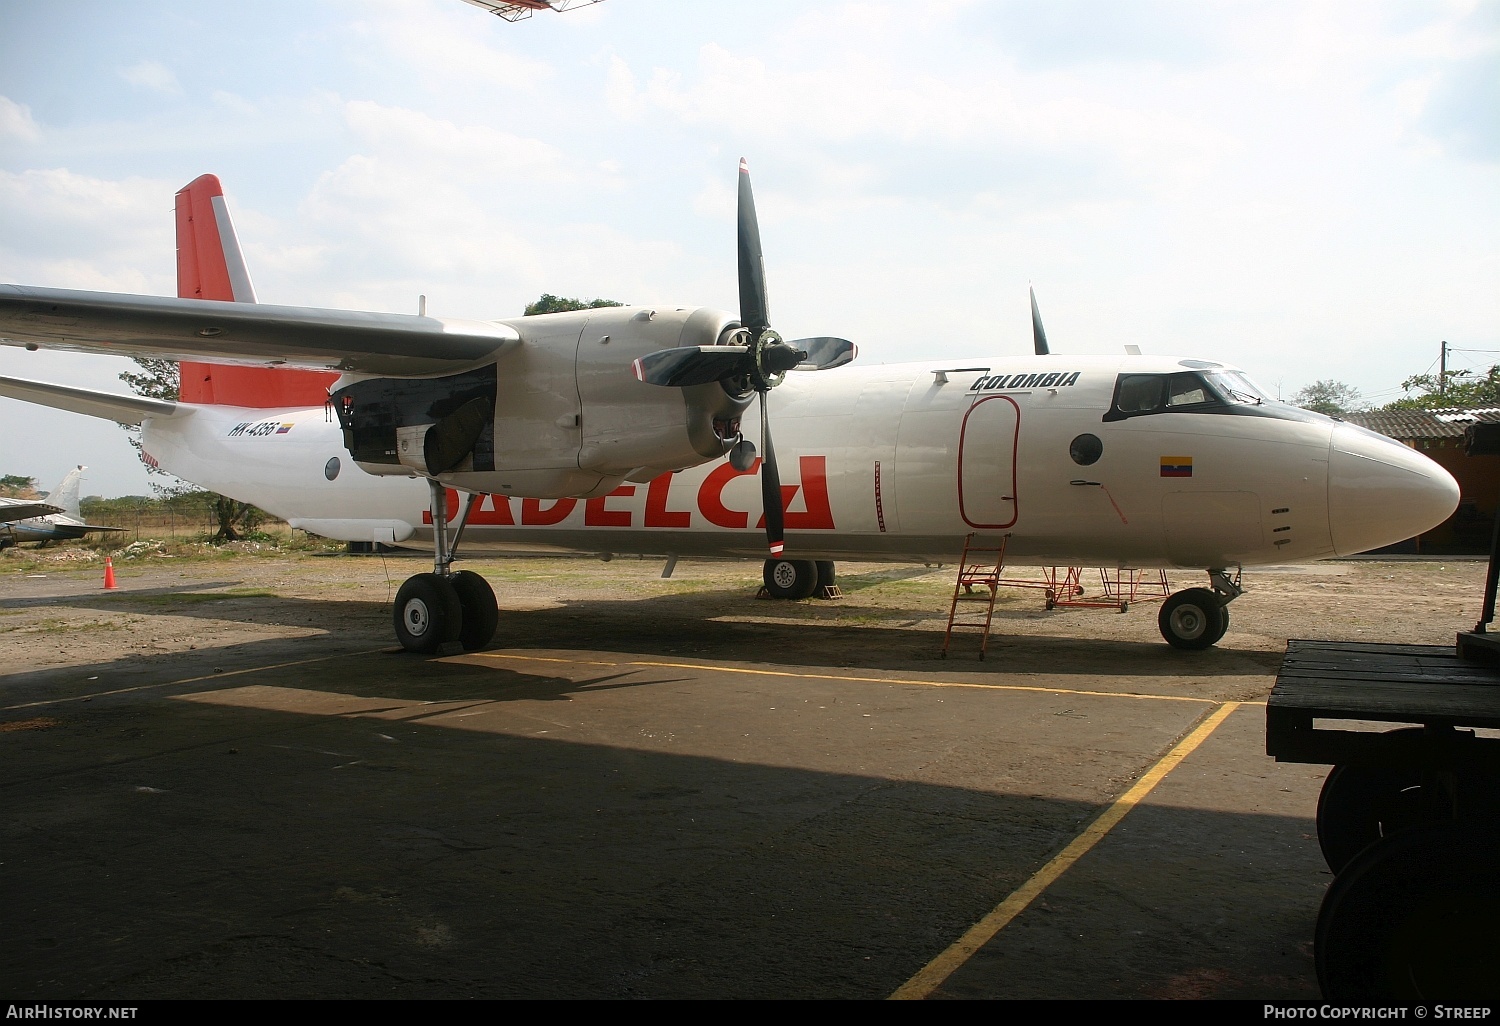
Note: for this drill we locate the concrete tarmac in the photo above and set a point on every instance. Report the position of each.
(305, 814)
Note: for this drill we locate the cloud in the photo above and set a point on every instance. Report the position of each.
(481, 219)
(16, 122)
(152, 75)
(68, 230)
(446, 44)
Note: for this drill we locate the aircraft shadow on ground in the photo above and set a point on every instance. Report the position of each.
(179, 849)
(720, 624)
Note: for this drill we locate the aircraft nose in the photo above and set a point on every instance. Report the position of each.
(1381, 492)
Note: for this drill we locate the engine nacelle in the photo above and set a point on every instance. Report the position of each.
(560, 415)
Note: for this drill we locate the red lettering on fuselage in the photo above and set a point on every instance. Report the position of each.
(532, 514)
(711, 496)
(657, 514)
(816, 513)
(596, 514)
(492, 509)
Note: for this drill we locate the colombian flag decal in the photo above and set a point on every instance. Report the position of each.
(1176, 466)
(287, 427)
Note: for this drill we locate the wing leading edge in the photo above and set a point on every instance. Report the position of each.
(253, 334)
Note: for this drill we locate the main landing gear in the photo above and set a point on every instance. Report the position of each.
(797, 578)
(1198, 617)
(445, 605)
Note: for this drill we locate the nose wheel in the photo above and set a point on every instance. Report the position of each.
(1193, 619)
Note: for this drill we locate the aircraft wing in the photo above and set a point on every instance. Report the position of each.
(122, 409)
(402, 345)
(24, 509)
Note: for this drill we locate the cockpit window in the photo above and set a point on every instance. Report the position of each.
(1186, 390)
(1237, 388)
(1139, 394)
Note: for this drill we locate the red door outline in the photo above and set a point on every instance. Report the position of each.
(1015, 505)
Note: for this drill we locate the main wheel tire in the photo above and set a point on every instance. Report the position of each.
(427, 613)
(790, 578)
(1414, 918)
(1192, 619)
(827, 575)
(481, 613)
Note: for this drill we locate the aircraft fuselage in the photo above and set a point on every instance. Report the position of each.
(1066, 455)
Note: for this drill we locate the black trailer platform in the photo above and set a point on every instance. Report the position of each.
(1408, 816)
(1426, 685)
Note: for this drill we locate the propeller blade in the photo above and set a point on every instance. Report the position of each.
(690, 365)
(824, 353)
(1038, 335)
(755, 313)
(770, 486)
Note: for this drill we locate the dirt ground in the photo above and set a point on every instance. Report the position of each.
(218, 781)
(707, 608)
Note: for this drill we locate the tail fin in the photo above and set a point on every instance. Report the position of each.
(65, 495)
(211, 266)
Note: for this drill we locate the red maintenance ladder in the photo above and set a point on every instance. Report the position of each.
(980, 565)
(1063, 586)
(1121, 587)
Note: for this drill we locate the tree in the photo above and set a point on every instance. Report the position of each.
(1328, 396)
(160, 379)
(1455, 389)
(557, 304)
(18, 486)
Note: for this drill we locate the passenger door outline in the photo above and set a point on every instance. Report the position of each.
(987, 479)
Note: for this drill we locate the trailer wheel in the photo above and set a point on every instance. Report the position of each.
(1359, 805)
(1192, 619)
(1415, 917)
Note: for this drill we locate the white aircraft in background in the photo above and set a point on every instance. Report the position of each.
(617, 430)
(54, 518)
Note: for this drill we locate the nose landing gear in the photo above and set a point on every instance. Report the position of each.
(1198, 617)
(445, 606)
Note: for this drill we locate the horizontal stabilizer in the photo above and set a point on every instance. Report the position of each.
(123, 409)
(23, 509)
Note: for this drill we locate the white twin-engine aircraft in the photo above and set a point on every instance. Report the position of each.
(619, 430)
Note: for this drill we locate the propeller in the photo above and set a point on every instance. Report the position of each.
(759, 363)
(1038, 334)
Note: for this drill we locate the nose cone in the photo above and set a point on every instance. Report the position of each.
(1381, 492)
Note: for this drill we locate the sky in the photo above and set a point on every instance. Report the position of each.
(1308, 190)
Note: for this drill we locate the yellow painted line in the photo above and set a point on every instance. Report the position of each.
(944, 965)
(848, 677)
(189, 680)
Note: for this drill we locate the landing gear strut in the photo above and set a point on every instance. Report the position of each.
(1198, 617)
(443, 606)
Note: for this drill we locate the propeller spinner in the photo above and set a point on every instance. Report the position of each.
(760, 362)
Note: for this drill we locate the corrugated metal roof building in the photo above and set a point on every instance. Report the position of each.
(1439, 435)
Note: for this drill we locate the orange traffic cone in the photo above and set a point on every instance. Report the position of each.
(109, 574)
